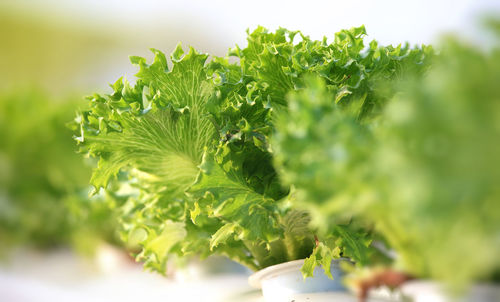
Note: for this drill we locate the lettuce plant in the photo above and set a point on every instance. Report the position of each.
(423, 170)
(188, 147)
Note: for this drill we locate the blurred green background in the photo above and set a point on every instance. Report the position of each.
(54, 52)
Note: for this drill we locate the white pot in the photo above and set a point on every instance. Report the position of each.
(429, 291)
(284, 282)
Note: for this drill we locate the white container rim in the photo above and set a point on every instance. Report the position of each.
(274, 270)
(256, 278)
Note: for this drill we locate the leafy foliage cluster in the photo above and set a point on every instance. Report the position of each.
(424, 170)
(191, 148)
